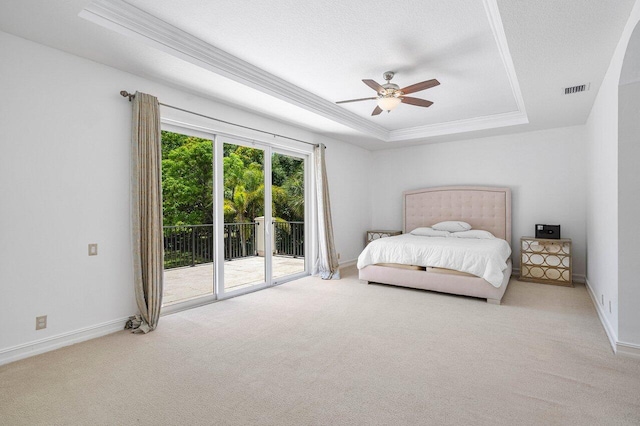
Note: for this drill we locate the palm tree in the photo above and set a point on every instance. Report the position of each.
(244, 188)
(244, 193)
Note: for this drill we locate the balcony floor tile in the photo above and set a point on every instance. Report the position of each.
(181, 284)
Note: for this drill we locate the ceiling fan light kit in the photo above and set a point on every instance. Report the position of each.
(387, 103)
(390, 95)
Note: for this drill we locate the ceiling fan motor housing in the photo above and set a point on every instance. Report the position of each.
(390, 89)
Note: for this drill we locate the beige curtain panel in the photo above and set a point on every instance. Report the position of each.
(327, 262)
(146, 210)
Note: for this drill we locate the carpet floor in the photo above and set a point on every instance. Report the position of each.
(341, 353)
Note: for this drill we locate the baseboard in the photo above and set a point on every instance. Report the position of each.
(628, 349)
(611, 335)
(51, 343)
(348, 263)
(579, 278)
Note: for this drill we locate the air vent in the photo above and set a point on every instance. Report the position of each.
(576, 89)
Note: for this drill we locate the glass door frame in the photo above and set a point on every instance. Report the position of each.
(218, 138)
(218, 175)
(268, 150)
(307, 214)
(208, 298)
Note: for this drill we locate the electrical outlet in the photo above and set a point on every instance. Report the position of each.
(338, 256)
(602, 299)
(41, 322)
(93, 249)
(609, 306)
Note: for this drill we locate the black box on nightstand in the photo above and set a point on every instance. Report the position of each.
(548, 231)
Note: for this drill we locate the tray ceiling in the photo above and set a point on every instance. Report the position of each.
(292, 60)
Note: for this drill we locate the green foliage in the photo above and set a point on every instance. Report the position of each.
(288, 187)
(243, 184)
(293, 206)
(171, 141)
(283, 167)
(187, 182)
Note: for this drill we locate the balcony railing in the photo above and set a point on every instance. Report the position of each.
(289, 238)
(187, 245)
(190, 245)
(239, 240)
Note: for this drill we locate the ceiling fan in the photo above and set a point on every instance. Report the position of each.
(390, 95)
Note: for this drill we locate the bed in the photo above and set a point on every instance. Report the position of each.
(484, 208)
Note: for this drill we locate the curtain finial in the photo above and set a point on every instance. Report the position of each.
(126, 94)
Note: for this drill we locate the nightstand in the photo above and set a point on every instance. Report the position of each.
(377, 234)
(546, 261)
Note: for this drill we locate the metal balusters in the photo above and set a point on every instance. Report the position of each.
(289, 238)
(190, 245)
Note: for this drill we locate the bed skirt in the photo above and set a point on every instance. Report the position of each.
(443, 283)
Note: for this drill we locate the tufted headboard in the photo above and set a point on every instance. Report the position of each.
(483, 207)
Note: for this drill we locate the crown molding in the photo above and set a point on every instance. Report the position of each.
(459, 126)
(495, 21)
(133, 22)
(130, 21)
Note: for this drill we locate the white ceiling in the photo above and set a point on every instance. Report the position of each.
(502, 65)
(328, 48)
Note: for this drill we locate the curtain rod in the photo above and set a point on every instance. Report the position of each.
(126, 94)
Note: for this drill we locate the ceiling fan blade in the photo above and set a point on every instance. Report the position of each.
(415, 101)
(377, 110)
(420, 86)
(375, 86)
(356, 100)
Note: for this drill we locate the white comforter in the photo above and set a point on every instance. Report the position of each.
(483, 258)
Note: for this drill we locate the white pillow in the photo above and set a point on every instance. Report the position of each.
(475, 233)
(452, 226)
(429, 232)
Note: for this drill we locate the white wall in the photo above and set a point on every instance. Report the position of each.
(629, 190)
(629, 213)
(64, 183)
(602, 220)
(545, 171)
(349, 170)
(605, 199)
(602, 200)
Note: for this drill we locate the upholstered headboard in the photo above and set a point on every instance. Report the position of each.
(483, 207)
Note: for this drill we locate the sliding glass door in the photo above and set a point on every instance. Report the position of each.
(235, 216)
(244, 232)
(188, 217)
(288, 224)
